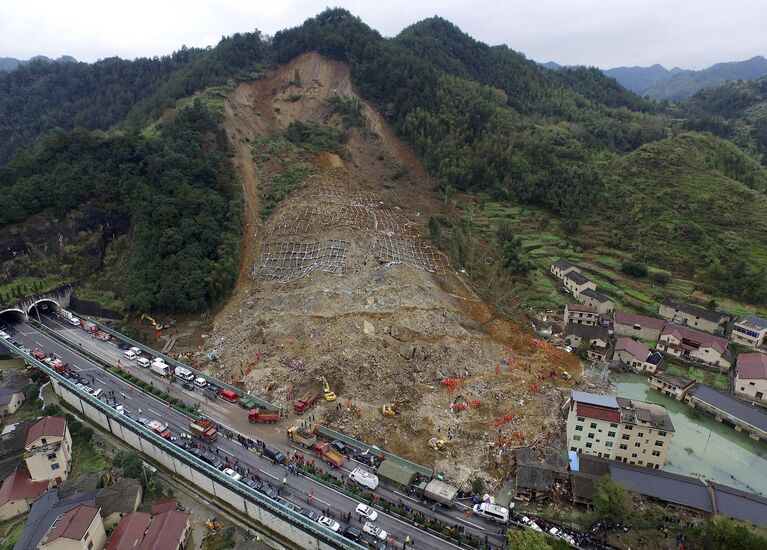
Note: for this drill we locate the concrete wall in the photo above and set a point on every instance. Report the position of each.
(280, 527)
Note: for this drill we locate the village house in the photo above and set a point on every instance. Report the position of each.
(751, 376)
(671, 385)
(690, 344)
(77, 529)
(168, 530)
(579, 314)
(636, 326)
(750, 332)
(17, 494)
(560, 268)
(636, 355)
(119, 499)
(729, 410)
(597, 300)
(622, 429)
(577, 283)
(595, 338)
(693, 316)
(10, 401)
(49, 450)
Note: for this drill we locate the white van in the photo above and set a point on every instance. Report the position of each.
(75, 321)
(184, 373)
(492, 511)
(160, 367)
(129, 355)
(143, 362)
(364, 478)
(200, 382)
(97, 393)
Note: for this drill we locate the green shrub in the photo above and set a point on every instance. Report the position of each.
(634, 269)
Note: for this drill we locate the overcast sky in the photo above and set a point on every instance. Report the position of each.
(607, 33)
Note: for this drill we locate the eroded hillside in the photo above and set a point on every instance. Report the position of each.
(338, 281)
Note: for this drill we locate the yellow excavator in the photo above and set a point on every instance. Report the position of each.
(155, 324)
(329, 394)
(436, 443)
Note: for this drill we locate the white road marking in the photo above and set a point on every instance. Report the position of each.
(267, 473)
(407, 496)
(225, 451)
(38, 343)
(153, 411)
(100, 381)
(126, 396)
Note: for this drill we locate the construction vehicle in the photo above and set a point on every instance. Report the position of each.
(329, 394)
(436, 443)
(304, 402)
(155, 324)
(566, 375)
(329, 454)
(205, 429)
(439, 491)
(263, 415)
(389, 409)
(246, 403)
(302, 436)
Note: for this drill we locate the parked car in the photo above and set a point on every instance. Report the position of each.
(374, 531)
(231, 473)
(352, 533)
(312, 515)
(130, 355)
(187, 386)
(330, 523)
(268, 490)
(366, 512)
(143, 362)
(200, 382)
(123, 346)
(340, 446)
(251, 482)
(274, 454)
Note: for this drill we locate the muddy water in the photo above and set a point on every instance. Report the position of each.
(702, 446)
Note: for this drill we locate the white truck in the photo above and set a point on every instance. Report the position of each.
(184, 373)
(160, 367)
(364, 478)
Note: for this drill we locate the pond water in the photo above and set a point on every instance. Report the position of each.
(701, 446)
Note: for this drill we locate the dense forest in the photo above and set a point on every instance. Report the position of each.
(482, 119)
(178, 186)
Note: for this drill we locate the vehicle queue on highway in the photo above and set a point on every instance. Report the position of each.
(252, 476)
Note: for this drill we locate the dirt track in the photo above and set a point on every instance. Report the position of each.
(392, 321)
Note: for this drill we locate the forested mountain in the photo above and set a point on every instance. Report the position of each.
(676, 84)
(11, 63)
(482, 119)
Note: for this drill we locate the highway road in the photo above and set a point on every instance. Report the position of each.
(234, 419)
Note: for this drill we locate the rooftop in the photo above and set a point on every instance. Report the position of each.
(47, 426)
(703, 339)
(6, 395)
(581, 307)
(752, 366)
(631, 319)
(537, 477)
(754, 322)
(598, 296)
(129, 532)
(163, 505)
(121, 496)
(72, 524)
(637, 349)
(598, 413)
(678, 489)
(577, 278)
(165, 531)
(739, 504)
(588, 332)
(562, 264)
(44, 512)
(19, 486)
(597, 399)
(689, 309)
(677, 381)
(634, 412)
(732, 406)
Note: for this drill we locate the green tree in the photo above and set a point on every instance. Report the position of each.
(131, 464)
(724, 534)
(31, 391)
(478, 485)
(527, 539)
(610, 501)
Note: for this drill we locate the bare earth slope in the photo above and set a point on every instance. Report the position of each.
(338, 281)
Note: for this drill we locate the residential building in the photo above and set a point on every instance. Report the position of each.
(48, 450)
(118, 500)
(673, 386)
(597, 300)
(168, 531)
(10, 401)
(646, 432)
(750, 332)
(44, 513)
(694, 345)
(734, 412)
(535, 479)
(77, 529)
(693, 316)
(636, 326)
(577, 283)
(636, 355)
(595, 338)
(129, 532)
(17, 494)
(560, 268)
(751, 376)
(579, 314)
(612, 427)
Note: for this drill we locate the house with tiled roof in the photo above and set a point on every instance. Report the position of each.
(607, 426)
(671, 385)
(597, 300)
(751, 332)
(696, 317)
(77, 529)
(10, 401)
(751, 376)
(129, 532)
(164, 529)
(119, 499)
(580, 314)
(560, 268)
(637, 326)
(18, 492)
(636, 355)
(49, 450)
(694, 345)
(595, 339)
(576, 283)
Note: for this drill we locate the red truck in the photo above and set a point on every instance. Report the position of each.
(263, 415)
(60, 366)
(329, 454)
(304, 402)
